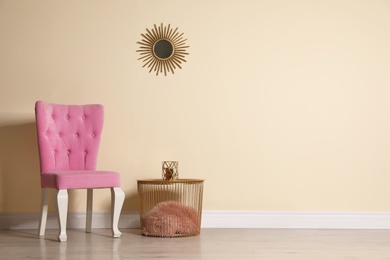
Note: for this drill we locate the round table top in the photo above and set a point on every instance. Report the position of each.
(161, 181)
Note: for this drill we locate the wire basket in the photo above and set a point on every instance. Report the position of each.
(170, 208)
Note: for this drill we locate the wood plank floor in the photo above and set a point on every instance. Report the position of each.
(242, 244)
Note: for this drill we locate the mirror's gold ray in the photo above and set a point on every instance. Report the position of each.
(151, 62)
(144, 48)
(165, 68)
(144, 45)
(167, 31)
(144, 52)
(144, 55)
(172, 64)
(181, 52)
(158, 67)
(174, 35)
(168, 67)
(148, 64)
(161, 65)
(164, 32)
(161, 31)
(171, 67)
(170, 30)
(151, 35)
(180, 42)
(181, 48)
(178, 36)
(145, 41)
(176, 63)
(153, 65)
(179, 58)
(146, 58)
(148, 61)
(156, 32)
(147, 38)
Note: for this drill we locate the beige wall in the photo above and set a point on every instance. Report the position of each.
(282, 105)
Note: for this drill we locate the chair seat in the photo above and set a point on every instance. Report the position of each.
(80, 179)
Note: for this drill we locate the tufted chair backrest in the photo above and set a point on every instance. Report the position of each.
(68, 135)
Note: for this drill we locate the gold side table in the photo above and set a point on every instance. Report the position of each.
(170, 208)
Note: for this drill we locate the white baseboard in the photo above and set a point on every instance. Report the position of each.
(218, 219)
(311, 220)
(22, 220)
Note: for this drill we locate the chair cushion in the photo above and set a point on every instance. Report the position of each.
(80, 179)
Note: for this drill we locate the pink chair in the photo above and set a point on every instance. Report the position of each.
(68, 141)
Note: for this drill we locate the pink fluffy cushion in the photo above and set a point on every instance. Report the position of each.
(170, 219)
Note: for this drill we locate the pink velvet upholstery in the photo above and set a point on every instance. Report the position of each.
(68, 140)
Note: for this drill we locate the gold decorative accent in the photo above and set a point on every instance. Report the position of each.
(162, 49)
(170, 170)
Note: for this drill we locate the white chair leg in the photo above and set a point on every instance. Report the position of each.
(89, 210)
(117, 199)
(44, 207)
(62, 209)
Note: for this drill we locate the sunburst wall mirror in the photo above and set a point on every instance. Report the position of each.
(162, 49)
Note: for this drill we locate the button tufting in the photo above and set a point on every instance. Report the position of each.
(84, 117)
(68, 152)
(67, 116)
(93, 134)
(77, 135)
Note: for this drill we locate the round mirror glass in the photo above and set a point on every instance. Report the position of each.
(163, 49)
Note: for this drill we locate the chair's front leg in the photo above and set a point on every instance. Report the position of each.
(44, 207)
(89, 210)
(62, 209)
(117, 199)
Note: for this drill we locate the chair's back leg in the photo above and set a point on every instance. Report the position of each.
(44, 207)
(89, 210)
(117, 199)
(62, 209)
